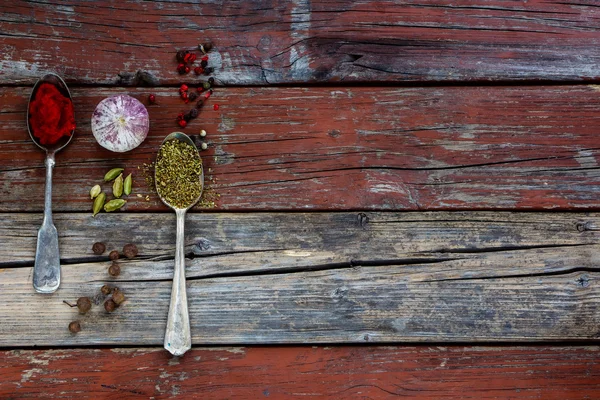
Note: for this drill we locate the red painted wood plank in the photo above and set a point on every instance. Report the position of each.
(328, 149)
(303, 41)
(302, 372)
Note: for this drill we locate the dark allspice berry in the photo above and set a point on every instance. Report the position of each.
(110, 305)
(130, 250)
(98, 248)
(84, 304)
(194, 112)
(192, 96)
(118, 297)
(114, 269)
(105, 290)
(181, 55)
(74, 327)
(113, 255)
(207, 46)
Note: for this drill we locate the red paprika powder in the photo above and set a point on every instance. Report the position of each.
(51, 114)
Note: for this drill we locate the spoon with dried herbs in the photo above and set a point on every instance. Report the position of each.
(179, 180)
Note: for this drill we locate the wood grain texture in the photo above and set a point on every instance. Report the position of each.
(329, 149)
(318, 278)
(302, 41)
(303, 372)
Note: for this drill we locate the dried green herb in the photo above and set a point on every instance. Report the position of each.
(178, 173)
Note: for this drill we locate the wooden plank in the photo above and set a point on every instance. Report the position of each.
(319, 278)
(304, 372)
(303, 41)
(328, 149)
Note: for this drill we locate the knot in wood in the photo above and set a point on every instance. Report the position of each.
(363, 220)
(339, 293)
(583, 281)
(203, 244)
(586, 226)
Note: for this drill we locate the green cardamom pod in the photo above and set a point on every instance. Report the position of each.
(118, 186)
(114, 204)
(98, 203)
(95, 191)
(112, 174)
(127, 185)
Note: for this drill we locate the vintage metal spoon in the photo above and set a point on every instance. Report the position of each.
(46, 271)
(178, 337)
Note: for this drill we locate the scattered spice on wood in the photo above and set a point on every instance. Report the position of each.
(84, 304)
(51, 114)
(95, 191)
(75, 327)
(98, 248)
(105, 290)
(114, 270)
(178, 172)
(118, 297)
(130, 250)
(110, 305)
(113, 255)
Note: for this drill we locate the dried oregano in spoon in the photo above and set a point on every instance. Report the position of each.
(178, 172)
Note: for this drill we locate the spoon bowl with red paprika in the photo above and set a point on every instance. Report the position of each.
(51, 126)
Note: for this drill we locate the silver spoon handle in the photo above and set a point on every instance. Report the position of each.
(178, 337)
(46, 270)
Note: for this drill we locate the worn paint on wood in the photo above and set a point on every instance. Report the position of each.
(302, 41)
(321, 278)
(330, 149)
(303, 372)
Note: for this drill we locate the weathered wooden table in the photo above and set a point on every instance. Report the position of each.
(422, 175)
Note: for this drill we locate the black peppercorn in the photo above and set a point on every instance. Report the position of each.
(118, 297)
(196, 139)
(192, 96)
(194, 112)
(110, 305)
(203, 63)
(114, 269)
(84, 304)
(181, 55)
(200, 103)
(187, 117)
(74, 327)
(209, 70)
(211, 80)
(113, 255)
(130, 250)
(105, 290)
(98, 248)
